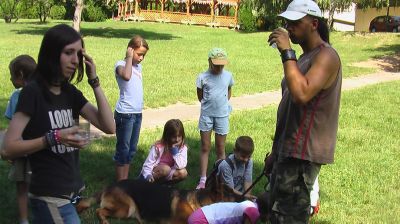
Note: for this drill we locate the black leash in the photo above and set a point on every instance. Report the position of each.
(258, 178)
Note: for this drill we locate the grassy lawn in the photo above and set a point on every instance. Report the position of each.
(361, 187)
(178, 53)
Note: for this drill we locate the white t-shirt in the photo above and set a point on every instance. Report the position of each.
(229, 212)
(130, 92)
(215, 93)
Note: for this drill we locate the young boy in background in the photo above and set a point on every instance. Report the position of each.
(237, 169)
(21, 68)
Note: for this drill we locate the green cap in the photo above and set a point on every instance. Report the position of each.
(218, 56)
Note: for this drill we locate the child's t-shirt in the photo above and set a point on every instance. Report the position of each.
(130, 92)
(230, 212)
(12, 104)
(167, 159)
(239, 175)
(215, 93)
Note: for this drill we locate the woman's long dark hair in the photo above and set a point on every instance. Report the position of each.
(48, 70)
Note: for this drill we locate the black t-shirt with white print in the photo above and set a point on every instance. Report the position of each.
(55, 170)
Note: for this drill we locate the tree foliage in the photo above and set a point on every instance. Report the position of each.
(8, 9)
(43, 8)
(332, 6)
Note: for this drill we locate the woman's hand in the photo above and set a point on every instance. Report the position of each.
(70, 137)
(90, 66)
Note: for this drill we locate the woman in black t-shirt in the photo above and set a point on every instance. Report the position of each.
(43, 124)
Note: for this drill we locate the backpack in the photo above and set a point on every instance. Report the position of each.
(213, 174)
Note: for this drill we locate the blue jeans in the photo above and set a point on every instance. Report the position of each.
(127, 132)
(44, 213)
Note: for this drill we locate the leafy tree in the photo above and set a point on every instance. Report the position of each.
(43, 8)
(112, 5)
(8, 9)
(379, 4)
(333, 6)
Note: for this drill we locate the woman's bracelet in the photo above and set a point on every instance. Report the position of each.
(52, 138)
(94, 83)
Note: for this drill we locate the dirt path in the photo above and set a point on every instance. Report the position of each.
(157, 117)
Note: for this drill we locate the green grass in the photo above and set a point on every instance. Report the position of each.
(178, 53)
(362, 186)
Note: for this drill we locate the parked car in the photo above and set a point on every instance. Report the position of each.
(385, 24)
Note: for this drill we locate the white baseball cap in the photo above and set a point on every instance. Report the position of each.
(297, 9)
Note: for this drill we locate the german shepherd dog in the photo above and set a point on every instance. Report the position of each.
(153, 202)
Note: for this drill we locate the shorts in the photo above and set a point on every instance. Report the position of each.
(289, 190)
(20, 170)
(127, 132)
(219, 124)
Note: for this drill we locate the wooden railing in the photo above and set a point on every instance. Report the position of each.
(180, 17)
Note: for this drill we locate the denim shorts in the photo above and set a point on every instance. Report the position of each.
(48, 213)
(127, 132)
(219, 124)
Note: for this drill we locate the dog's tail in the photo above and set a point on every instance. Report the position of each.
(86, 203)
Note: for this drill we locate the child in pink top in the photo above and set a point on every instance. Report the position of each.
(167, 158)
(247, 212)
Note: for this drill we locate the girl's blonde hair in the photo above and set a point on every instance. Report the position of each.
(138, 41)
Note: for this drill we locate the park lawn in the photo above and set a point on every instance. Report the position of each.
(178, 53)
(362, 186)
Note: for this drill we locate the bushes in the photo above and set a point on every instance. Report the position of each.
(246, 19)
(93, 14)
(57, 12)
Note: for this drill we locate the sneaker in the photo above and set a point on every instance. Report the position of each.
(315, 209)
(201, 185)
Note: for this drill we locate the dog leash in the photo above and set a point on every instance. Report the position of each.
(258, 178)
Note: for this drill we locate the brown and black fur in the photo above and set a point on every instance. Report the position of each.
(147, 201)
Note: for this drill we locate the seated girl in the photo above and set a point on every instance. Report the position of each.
(167, 158)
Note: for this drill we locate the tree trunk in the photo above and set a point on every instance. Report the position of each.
(7, 18)
(331, 14)
(78, 15)
(387, 10)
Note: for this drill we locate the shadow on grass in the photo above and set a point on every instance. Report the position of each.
(105, 32)
(388, 59)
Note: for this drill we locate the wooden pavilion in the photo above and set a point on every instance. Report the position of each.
(201, 12)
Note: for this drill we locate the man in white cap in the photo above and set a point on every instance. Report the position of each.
(307, 118)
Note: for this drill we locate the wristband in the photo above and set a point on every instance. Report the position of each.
(288, 54)
(51, 138)
(57, 136)
(174, 150)
(94, 83)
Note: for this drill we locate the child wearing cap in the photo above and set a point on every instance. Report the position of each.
(213, 92)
